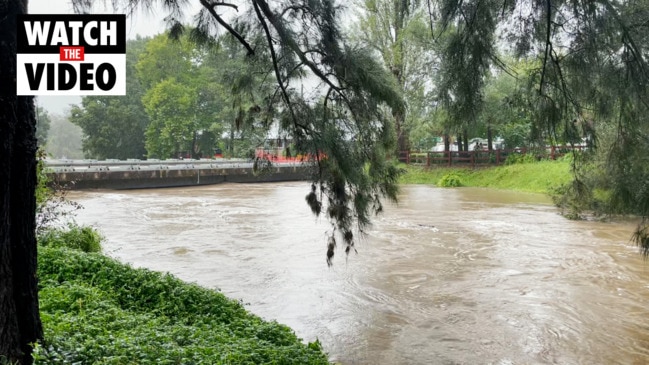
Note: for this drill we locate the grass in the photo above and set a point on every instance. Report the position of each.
(96, 310)
(537, 177)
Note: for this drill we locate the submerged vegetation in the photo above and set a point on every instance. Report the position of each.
(96, 310)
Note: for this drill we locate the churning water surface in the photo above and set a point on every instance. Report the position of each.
(447, 276)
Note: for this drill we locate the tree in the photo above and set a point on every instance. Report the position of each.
(467, 49)
(113, 126)
(183, 105)
(592, 76)
(238, 89)
(43, 122)
(508, 101)
(20, 323)
(397, 31)
(65, 139)
(173, 127)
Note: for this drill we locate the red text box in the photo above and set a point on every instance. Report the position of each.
(71, 54)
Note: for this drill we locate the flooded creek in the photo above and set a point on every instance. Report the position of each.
(447, 276)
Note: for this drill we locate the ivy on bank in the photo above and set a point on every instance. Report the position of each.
(96, 310)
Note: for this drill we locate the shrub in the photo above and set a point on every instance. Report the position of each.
(450, 180)
(96, 310)
(52, 205)
(520, 158)
(85, 239)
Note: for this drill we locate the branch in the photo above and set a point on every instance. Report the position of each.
(269, 39)
(326, 102)
(215, 4)
(298, 66)
(294, 8)
(430, 18)
(503, 66)
(210, 7)
(263, 6)
(637, 52)
(548, 44)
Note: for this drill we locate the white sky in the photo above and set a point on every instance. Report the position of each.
(143, 23)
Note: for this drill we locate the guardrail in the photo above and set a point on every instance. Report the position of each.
(61, 165)
(132, 174)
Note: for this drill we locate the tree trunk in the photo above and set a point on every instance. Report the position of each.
(459, 142)
(231, 142)
(194, 153)
(447, 142)
(466, 140)
(490, 143)
(20, 323)
(397, 68)
(402, 134)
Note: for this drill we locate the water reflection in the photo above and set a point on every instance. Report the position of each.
(461, 276)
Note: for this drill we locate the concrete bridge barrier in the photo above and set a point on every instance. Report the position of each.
(163, 176)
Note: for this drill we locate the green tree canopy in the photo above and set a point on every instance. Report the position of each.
(113, 126)
(184, 96)
(171, 106)
(163, 57)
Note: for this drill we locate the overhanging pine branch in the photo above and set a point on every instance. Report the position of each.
(220, 3)
(210, 8)
(265, 9)
(273, 56)
(548, 44)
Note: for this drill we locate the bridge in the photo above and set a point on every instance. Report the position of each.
(140, 174)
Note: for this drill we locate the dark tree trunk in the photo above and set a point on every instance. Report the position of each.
(20, 323)
(466, 139)
(490, 140)
(459, 142)
(447, 142)
(194, 152)
(402, 135)
(231, 142)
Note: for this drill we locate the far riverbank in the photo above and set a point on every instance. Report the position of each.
(537, 177)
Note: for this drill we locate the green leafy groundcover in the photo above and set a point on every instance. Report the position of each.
(537, 177)
(96, 310)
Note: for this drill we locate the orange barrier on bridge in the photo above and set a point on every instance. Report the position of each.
(279, 155)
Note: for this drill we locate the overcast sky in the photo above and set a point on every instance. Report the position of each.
(145, 24)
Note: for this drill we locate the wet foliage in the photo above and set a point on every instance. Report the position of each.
(96, 310)
(53, 208)
(450, 180)
(82, 238)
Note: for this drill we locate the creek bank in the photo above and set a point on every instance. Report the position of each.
(96, 310)
(537, 177)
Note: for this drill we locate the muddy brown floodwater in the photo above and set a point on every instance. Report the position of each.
(449, 276)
